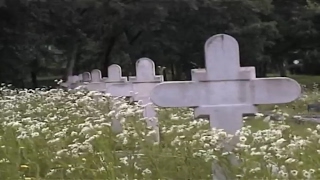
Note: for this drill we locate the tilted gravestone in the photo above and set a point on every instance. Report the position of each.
(139, 88)
(224, 91)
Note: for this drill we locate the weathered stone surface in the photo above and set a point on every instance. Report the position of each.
(224, 91)
(139, 88)
(99, 83)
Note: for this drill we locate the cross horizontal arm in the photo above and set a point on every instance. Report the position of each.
(121, 89)
(275, 90)
(194, 94)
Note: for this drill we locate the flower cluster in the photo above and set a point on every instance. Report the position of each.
(58, 134)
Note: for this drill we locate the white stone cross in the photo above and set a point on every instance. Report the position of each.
(224, 91)
(99, 83)
(139, 88)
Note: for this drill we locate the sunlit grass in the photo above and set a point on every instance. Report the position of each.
(69, 135)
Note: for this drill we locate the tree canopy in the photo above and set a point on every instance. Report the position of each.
(54, 39)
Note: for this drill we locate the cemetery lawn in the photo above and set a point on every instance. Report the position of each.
(307, 80)
(68, 135)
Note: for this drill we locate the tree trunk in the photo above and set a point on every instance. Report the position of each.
(187, 71)
(164, 73)
(34, 72)
(178, 75)
(172, 71)
(282, 70)
(106, 61)
(261, 70)
(21, 83)
(132, 54)
(34, 79)
(77, 65)
(71, 62)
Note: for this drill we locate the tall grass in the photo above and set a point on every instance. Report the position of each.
(70, 135)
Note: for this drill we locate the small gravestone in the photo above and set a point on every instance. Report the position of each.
(95, 82)
(86, 77)
(224, 91)
(115, 74)
(72, 81)
(139, 88)
(99, 83)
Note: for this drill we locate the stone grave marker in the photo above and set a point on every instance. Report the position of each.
(86, 77)
(99, 83)
(224, 91)
(72, 81)
(95, 82)
(139, 88)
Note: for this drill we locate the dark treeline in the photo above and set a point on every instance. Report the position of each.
(47, 39)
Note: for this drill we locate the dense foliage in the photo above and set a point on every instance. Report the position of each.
(43, 38)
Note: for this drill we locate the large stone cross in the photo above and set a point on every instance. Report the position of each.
(224, 91)
(139, 88)
(98, 83)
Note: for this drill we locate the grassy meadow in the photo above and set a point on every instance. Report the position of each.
(54, 134)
